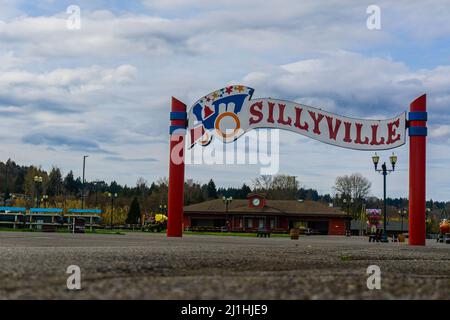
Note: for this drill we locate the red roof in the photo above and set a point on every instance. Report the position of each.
(272, 207)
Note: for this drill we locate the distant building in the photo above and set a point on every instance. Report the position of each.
(35, 218)
(360, 227)
(257, 212)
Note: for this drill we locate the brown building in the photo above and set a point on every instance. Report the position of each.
(256, 212)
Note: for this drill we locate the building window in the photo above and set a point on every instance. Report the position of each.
(261, 223)
(300, 224)
(249, 223)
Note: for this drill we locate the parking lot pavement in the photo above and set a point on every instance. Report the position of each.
(151, 266)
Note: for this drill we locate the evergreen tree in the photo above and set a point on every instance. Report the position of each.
(19, 182)
(245, 190)
(78, 187)
(134, 213)
(6, 195)
(211, 190)
(114, 187)
(70, 184)
(55, 182)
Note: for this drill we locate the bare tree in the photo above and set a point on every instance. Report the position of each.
(354, 185)
(163, 182)
(284, 187)
(263, 183)
(141, 183)
(277, 187)
(284, 182)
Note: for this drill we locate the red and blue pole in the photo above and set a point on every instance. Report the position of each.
(417, 168)
(178, 123)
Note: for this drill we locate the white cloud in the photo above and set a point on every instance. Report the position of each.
(109, 84)
(440, 132)
(69, 77)
(357, 84)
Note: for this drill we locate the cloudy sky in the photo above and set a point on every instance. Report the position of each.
(104, 90)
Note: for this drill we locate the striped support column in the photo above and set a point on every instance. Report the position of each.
(178, 123)
(417, 168)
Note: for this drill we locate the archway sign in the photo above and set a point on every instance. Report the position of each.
(230, 112)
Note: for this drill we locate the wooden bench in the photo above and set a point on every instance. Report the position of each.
(49, 228)
(263, 233)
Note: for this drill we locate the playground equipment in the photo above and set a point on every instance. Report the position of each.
(374, 224)
(444, 231)
(157, 223)
(373, 219)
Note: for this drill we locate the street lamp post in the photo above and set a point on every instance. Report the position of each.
(427, 213)
(348, 226)
(84, 182)
(45, 199)
(37, 183)
(112, 196)
(227, 201)
(402, 212)
(96, 193)
(384, 171)
(6, 184)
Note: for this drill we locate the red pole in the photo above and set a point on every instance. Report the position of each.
(417, 167)
(178, 123)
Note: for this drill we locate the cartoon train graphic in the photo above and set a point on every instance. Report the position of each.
(218, 112)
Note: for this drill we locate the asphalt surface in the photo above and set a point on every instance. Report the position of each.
(150, 266)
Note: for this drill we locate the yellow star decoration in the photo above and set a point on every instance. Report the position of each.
(215, 95)
(239, 88)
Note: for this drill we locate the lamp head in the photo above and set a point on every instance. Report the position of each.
(376, 160)
(393, 159)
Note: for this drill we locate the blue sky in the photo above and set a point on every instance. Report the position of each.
(104, 90)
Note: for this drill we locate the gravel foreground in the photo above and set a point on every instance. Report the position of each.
(151, 266)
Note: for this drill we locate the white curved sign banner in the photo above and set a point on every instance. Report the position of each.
(230, 112)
